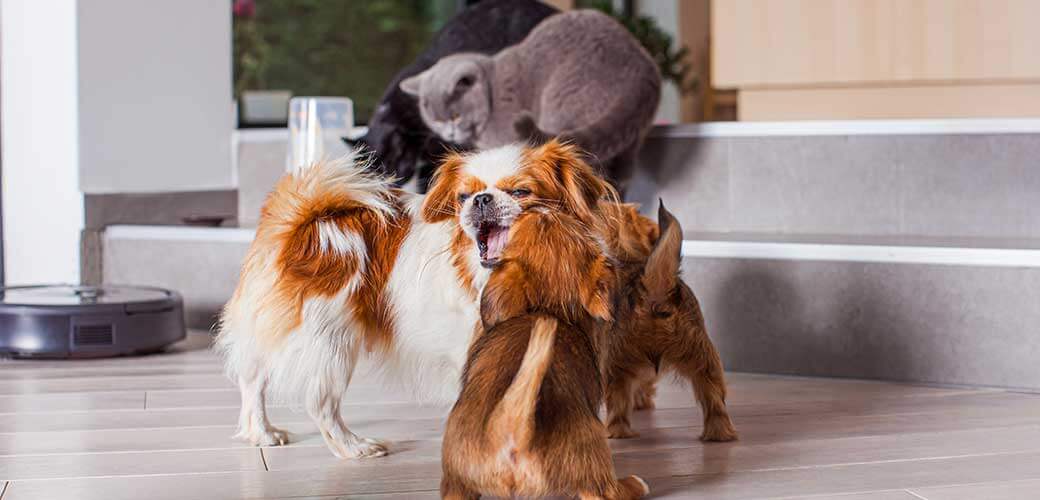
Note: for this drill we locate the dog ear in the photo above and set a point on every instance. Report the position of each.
(662, 268)
(441, 202)
(582, 187)
(505, 295)
(595, 290)
(412, 84)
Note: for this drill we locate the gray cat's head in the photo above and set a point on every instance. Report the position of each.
(454, 96)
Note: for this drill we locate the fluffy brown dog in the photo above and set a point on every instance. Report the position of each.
(659, 326)
(526, 422)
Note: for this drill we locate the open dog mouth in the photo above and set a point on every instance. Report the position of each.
(491, 240)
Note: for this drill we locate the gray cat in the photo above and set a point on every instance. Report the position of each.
(578, 75)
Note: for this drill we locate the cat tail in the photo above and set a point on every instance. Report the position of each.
(511, 424)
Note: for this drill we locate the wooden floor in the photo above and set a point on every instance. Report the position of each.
(159, 428)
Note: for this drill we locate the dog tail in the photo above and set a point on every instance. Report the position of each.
(512, 421)
(324, 190)
(309, 207)
(319, 215)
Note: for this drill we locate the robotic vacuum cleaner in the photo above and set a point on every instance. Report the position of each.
(65, 321)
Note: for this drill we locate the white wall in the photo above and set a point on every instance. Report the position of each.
(104, 96)
(155, 98)
(42, 205)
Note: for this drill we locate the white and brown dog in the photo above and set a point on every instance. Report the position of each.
(345, 266)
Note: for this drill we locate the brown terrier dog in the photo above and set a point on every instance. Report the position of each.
(526, 422)
(659, 326)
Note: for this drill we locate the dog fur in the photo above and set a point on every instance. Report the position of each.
(659, 326)
(339, 258)
(526, 422)
(344, 265)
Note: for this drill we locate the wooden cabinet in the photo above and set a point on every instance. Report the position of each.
(799, 59)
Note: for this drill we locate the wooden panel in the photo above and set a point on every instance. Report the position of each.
(23, 467)
(72, 402)
(115, 383)
(348, 477)
(1011, 490)
(925, 101)
(694, 34)
(799, 437)
(762, 43)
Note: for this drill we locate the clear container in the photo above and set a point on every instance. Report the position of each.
(317, 126)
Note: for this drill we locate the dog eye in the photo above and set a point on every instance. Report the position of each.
(463, 197)
(520, 193)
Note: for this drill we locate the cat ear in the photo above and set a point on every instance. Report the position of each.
(412, 84)
(441, 202)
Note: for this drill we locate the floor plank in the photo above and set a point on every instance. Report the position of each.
(190, 417)
(228, 398)
(160, 427)
(23, 372)
(115, 383)
(973, 409)
(867, 495)
(860, 478)
(24, 467)
(361, 478)
(679, 453)
(72, 402)
(1013, 490)
(675, 427)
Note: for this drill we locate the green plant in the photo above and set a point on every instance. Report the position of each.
(330, 47)
(670, 60)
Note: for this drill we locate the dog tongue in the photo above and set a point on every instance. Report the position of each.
(496, 242)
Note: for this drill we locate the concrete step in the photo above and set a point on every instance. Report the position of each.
(199, 262)
(932, 178)
(903, 250)
(913, 309)
(927, 312)
(942, 178)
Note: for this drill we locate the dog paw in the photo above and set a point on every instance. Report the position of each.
(718, 429)
(369, 448)
(621, 431)
(636, 486)
(271, 436)
(644, 401)
(361, 448)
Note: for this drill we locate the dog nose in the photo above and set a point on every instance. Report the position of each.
(482, 200)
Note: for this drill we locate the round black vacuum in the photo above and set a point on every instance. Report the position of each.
(65, 321)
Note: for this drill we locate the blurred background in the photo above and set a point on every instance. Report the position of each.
(857, 175)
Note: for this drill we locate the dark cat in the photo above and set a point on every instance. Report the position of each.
(579, 75)
(396, 132)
